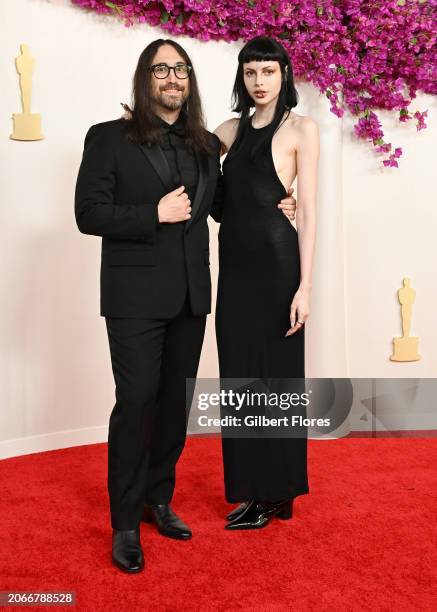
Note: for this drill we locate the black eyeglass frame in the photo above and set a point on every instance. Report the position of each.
(152, 68)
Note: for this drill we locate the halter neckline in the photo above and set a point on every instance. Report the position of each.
(260, 128)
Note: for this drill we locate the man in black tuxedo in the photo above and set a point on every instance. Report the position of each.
(147, 185)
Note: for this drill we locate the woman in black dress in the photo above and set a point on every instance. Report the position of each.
(265, 272)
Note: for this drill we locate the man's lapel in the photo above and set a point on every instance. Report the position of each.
(203, 165)
(157, 159)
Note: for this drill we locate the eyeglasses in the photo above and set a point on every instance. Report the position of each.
(161, 71)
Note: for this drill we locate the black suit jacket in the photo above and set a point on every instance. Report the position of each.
(146, 266)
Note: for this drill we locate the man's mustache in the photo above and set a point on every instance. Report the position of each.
(171, 87)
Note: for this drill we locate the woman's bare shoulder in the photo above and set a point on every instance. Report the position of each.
(301, 122)
(227, 131)
(303, 131)
(227, 126)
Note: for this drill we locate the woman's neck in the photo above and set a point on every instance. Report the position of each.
(264, 113)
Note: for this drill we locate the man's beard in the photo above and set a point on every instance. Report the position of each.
(169, 102)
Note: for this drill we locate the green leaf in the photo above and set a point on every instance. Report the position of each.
(110, 5)
(221, 23)
(251, 3)
(413, 41)
(401, 2)
(180, 19)
(380, 141)
(319, 11)
(164, 16)
(284, 35)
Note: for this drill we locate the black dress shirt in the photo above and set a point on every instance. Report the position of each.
(181, 159)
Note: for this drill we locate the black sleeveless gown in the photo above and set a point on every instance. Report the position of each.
(259, 273)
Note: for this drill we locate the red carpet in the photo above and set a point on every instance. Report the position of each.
(363, 539)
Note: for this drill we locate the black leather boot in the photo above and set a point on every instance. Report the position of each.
(259, 514)
(127, 553)
(168, 523)
(237, 511)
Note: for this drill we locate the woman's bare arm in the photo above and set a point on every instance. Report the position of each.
(307, 151)
(307, 165)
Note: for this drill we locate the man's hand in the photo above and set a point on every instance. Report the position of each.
(288, 205)
(174, 207)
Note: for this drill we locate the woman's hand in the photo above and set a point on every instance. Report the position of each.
(127, 111)
(299, 310)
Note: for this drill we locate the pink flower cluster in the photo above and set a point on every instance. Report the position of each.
(364, 55)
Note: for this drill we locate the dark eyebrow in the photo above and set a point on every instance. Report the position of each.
(264, 68)
(181, 63)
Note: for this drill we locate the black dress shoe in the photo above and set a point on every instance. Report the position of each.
(127, 553)
(168, 523)
(259, 514)
(237, 511)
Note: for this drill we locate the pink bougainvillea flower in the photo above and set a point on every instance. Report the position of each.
(364, 55)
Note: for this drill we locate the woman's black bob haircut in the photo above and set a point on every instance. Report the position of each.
(263, 49)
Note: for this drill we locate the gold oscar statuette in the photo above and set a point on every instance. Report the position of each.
(406, 348)
(27, 125)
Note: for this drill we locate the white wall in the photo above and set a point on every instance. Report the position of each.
(374, 227)
(390, 232)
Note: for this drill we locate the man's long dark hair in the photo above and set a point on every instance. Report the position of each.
(263, 49)
(144, 127)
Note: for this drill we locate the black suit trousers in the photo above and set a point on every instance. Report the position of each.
(151, 360)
